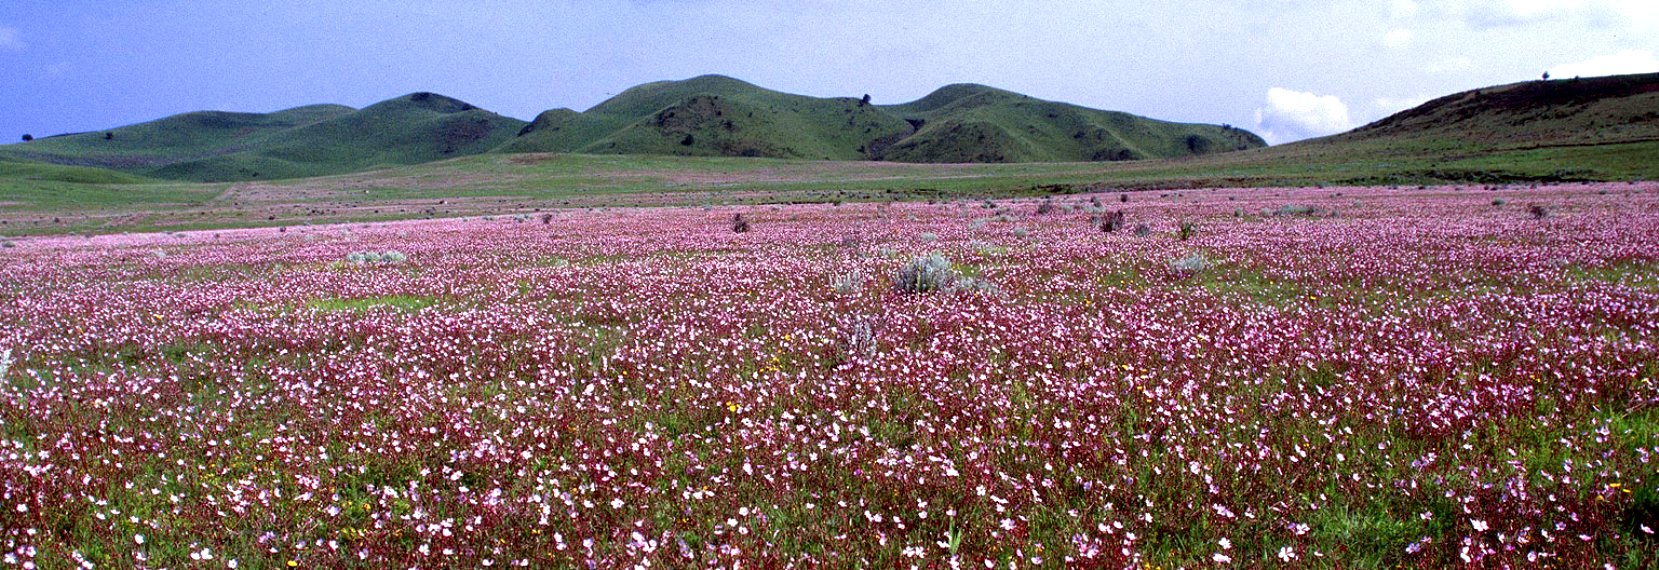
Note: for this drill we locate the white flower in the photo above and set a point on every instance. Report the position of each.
(1220, 558)
(138, 539)
(1480, 525)
(616, 503)
(1286, 554)
(1225, 544)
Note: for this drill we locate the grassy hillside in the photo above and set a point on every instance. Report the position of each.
(306, 141)
(975, 123)
(714, 116)
(14, 169)
(720, 116)
(189, 136)
(1597, 110)
(416, 128)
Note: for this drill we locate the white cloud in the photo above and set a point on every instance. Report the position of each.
(1450, 65)
(1294, 115)
(10, 39)
(1397, 39)
(1627, 61)
(1390, 105)
(1402, 9)
(1638, 14)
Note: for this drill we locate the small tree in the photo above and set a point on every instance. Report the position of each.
(739, 224)
(1111, 222)
(28, 137)
(1187, 230)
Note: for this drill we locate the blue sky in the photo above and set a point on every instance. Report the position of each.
(1286, 69)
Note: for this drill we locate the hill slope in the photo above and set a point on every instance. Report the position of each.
(1596, 110)
(306, 141)
(713, 115)
(975, 123)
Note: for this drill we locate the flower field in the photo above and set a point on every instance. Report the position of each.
(1336, 377)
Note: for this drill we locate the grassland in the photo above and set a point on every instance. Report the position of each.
(1593, 130)
(40, 199)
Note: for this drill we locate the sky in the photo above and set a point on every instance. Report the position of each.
(1285, 69)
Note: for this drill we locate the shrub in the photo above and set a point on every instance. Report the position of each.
(739, 224)
(925, 274)
(1045, 208)
(932, 273)
(849, 283)
(929, 236)
(859, 340)
(1111, 222)
(1538, 211)
(1497, 202)
(1187, 231)
(28, 137)
(1190, 264)
(1296, 210)
(375, 257)
(1142, 230)
(546, 219)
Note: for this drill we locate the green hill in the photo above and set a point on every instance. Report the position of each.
(713, 116)
(15, 169)
(306, 141)
(975, 123)
(1600, 128)
(173, 139)
(1561, 112)
(720, 116)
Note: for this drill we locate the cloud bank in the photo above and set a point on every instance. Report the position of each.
(1291, 115)
(1624, 62)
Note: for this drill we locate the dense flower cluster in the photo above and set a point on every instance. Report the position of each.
(1396, 377)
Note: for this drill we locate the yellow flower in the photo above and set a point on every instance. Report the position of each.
(292, 564)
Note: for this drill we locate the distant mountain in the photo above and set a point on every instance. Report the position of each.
(1559, 112)
(720, 116)
(305, 141)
